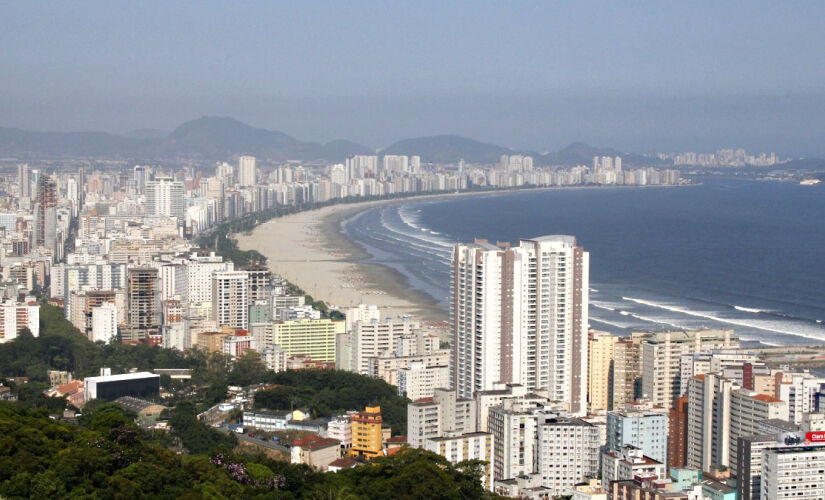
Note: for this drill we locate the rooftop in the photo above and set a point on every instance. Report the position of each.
(122, 376)
(766, 398)
(344, 463)
(134, 404)
(315, 442)
(780, 424)
(716, 485)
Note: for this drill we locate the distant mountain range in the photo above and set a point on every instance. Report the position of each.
(219, 138)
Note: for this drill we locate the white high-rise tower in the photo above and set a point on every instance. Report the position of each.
(520, 315)
(246, 171)
(164, 196)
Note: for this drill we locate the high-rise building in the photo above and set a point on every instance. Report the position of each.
(677, 434)
(359, 166)
(143, 304)
(626, 377)
(246, 171)
(230, 299)
(164, 197)
(142, 175)
(600, 361)
(45, 214)
(719, 413)
(661, 360)
(520, 315)
(749, 464)
(747, 410)
(395, 164)
(215, 191)
(199, 272)
(24, 181)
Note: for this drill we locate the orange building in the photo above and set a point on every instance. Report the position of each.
(367, 440)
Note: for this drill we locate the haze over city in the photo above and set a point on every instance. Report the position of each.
(535, 75)
(455, 250)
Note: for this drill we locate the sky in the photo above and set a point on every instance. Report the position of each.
(637, 76)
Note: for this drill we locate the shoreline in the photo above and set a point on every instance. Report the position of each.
(310, 249)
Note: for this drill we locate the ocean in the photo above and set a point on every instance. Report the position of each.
(739, 254)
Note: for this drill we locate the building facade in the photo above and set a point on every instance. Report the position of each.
(520, 315)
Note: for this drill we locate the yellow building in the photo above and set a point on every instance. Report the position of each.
(367, 440)
(600, 357)
(313, 337)
(212, 341)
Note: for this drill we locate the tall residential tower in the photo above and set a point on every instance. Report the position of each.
(519, 315)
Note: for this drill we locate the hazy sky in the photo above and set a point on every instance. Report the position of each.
(640, 77)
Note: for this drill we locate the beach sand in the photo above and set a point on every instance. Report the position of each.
(309, 250)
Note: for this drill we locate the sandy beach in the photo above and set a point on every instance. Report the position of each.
(309, 250)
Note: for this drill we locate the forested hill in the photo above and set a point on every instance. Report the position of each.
(109, 457)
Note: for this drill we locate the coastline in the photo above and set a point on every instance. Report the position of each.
(310, 250)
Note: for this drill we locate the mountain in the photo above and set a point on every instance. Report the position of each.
(448, 149)
(212, 138)
(146, 133)
(452, 148)
(24, 143)
(206, 138)
(579, 153)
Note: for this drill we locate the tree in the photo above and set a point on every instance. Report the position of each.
(248, 370)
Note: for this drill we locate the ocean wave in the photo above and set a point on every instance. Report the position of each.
(602, 306)
(758, 325)
(750, 309)
(414, 238)
(416, 235)
(611, 323)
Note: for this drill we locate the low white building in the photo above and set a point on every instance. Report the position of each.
(340, 428)
(15, 316)
(237, 345)
(418, 380)
(628, 463)
(104, 322)
(461, 447)
(274, 358)
(176, 336)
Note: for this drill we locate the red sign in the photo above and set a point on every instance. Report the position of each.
(815, 437)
